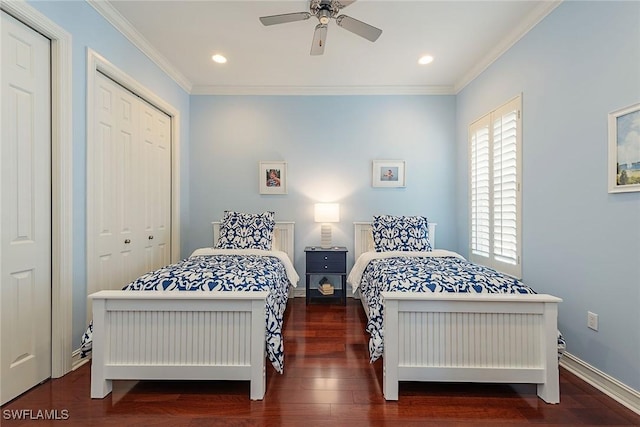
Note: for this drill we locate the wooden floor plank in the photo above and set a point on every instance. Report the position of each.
(327, 381)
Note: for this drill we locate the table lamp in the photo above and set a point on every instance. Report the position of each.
(326, 213)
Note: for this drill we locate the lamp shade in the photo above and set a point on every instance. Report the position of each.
(327, 212)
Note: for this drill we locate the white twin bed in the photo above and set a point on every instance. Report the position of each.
(193, 335)
(456, 336)
(423, 336)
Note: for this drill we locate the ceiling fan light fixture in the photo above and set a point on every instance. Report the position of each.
(324, 16)
(425, 59)
(219, 59)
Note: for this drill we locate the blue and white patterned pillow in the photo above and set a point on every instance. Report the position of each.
(400, 233)
(246, 231)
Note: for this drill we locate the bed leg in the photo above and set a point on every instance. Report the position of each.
(389, 385)
(550, 390)
(391, 356)
(258, 370)
(258, 384)
(100, 387)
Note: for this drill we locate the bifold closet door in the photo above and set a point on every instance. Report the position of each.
(156, 191)
(130, 180)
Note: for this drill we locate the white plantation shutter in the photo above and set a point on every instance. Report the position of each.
(495, 171)
(480, 190)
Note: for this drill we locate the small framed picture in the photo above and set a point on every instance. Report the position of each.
(388, 173)
(624, 150)
(273, 177)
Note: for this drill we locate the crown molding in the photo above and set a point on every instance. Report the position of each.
(116, 19)
(543, 9)
(322, 90)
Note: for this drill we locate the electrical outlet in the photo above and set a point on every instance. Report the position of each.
(592, 321)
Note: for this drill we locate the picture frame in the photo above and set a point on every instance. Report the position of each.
(272, 176)
(388, 173)
(624, 149)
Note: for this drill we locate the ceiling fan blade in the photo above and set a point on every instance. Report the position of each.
(284, 18)
(344, 3)
(319, 39)
(360, 28)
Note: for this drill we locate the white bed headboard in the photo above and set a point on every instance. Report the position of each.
(363, 238)
(282, 237)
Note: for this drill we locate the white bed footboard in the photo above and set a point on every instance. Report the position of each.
(178, 336)
(497, 338)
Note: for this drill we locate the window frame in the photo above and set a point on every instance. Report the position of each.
(482, 193)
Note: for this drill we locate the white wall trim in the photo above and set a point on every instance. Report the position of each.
(61, 181)
(95, 63)
(77, 361)
(537, 14)
(121, 24)
(610, 386)
(322, 90)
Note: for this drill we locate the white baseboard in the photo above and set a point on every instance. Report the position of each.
(301, 293)
(610, 386)
(76, 362)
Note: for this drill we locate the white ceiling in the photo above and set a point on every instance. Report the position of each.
(464, 37)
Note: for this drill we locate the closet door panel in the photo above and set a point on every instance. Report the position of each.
(105, 202)
(157, 192)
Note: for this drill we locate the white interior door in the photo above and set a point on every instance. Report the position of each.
(25, 203)
(129, 175)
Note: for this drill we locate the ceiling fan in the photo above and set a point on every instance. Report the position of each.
(325, 10)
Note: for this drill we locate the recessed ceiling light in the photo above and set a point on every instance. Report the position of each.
(426, 59)
(219, 59)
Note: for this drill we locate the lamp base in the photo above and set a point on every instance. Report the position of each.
(325, 236)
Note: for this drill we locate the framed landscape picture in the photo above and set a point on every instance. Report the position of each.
(624, 150)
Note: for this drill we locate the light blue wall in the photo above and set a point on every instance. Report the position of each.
(579, 242)
(328, 143)
(89, 30)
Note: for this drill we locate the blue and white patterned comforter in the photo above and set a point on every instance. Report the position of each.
(434, 271)
(228, 270)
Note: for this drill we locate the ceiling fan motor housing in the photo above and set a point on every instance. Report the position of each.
(324, 10)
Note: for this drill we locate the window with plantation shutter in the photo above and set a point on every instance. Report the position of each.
(495, 171)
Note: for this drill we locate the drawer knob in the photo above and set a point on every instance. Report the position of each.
(325, 258)
(326, 267)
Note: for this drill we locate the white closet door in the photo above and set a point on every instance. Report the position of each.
(25, 203)
(130, 179)
(156, 194)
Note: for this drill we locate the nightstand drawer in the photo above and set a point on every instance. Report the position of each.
(331, 262)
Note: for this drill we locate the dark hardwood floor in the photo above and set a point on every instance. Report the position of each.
(328, 381)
